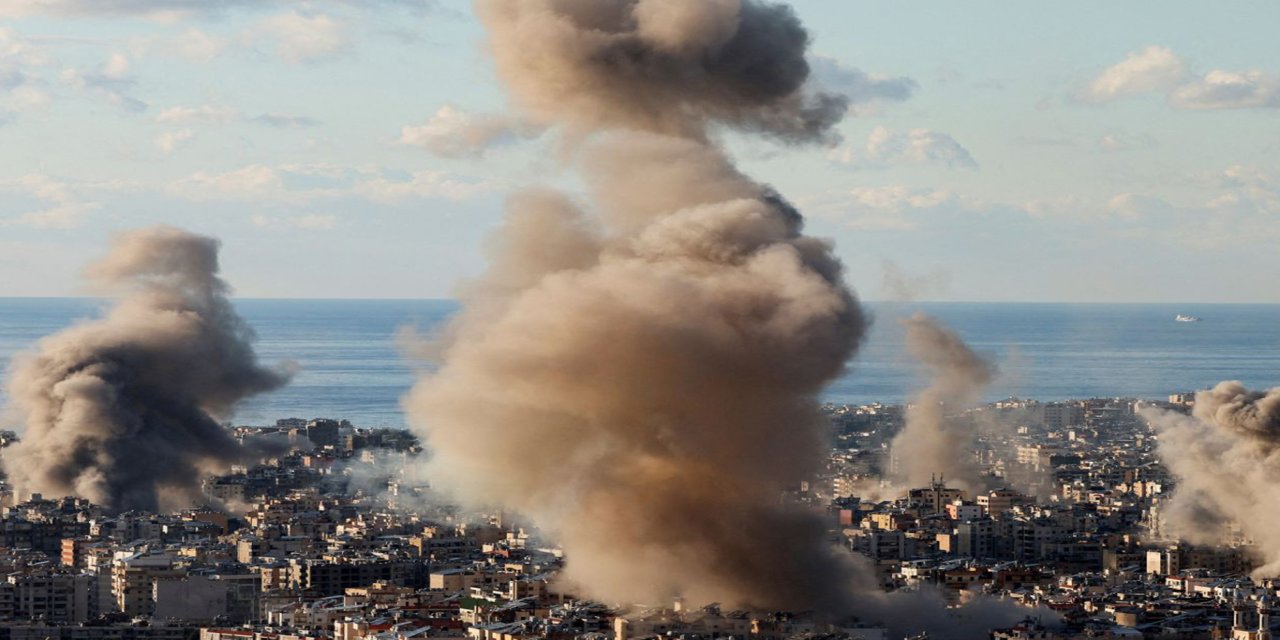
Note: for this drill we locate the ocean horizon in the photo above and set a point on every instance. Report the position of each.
(349, 365)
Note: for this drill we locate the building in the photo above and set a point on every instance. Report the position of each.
(1060, 415)
(934, 498)
(975, 539)
(323, 432)
(997, 502)
(53, 596)
(1178, 558)
(1251, 621)
(133, 577)
(963, 511)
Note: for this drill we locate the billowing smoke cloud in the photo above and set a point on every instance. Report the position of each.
(1226, 458)
(124, 410)
(665, 66)
(932, 443)
(638, 371)
(1247, 414)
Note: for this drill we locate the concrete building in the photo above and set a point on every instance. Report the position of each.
(975, 539)
(935, 497)
(962, 511)
(55, 597)
(323, 432)
(1178, 558)
(133, 577)
(997, 502)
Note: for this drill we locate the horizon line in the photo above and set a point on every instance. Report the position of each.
(861, 300)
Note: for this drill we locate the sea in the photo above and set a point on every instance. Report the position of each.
(350, 365)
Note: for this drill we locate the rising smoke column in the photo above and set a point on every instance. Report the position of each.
(1226, 458)
(931, 444)
(638, 373)
(123, 410)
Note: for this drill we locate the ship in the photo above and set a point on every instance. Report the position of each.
(1184, 318)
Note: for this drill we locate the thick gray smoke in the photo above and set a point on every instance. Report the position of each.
(124, 410)
(1226, 458)
(671, 67)
(932, 443)
(638, 372)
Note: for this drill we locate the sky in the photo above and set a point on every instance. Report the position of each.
(994, 150)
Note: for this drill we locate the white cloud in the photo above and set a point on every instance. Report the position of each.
(1136, 205)
(110, 82)
(421, 184)
(59, 216)
(203, 113)
(857, 85)
(116, 67)
(21, 89)
(453, 133)
(898, 198)
(16, 48)
(222, 115)
(1243, 175)
(907, 208)
(1152, 69)
(1228, 90)
(881, 208)
(1251, 187)
(285, 121)
(248, 182)
(172, 10)
(192, 45)
(61, 208)
(916, 147)
(1158, 70)
(300, 184)
(171, 141)
(304, 38)
(311, 222)
(28, 97)
(1120, 141)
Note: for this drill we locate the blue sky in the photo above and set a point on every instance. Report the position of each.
(1083, 151)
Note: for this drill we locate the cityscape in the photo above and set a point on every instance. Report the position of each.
(334, 537)
(638, 320)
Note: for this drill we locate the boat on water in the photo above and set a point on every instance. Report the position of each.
(1184, 318)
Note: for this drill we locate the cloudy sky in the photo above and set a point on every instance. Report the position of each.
(1084, 151)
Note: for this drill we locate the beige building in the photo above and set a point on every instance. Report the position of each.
(133, 577)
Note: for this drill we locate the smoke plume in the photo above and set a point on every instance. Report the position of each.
(638, 372)
(664, 66)
(932, 443)
(123, 410)
(1226, 458)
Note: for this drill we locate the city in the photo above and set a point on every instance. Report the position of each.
(333, 538)
(638, 320)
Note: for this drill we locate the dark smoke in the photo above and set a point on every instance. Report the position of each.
(667, 66)
(124, 410)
